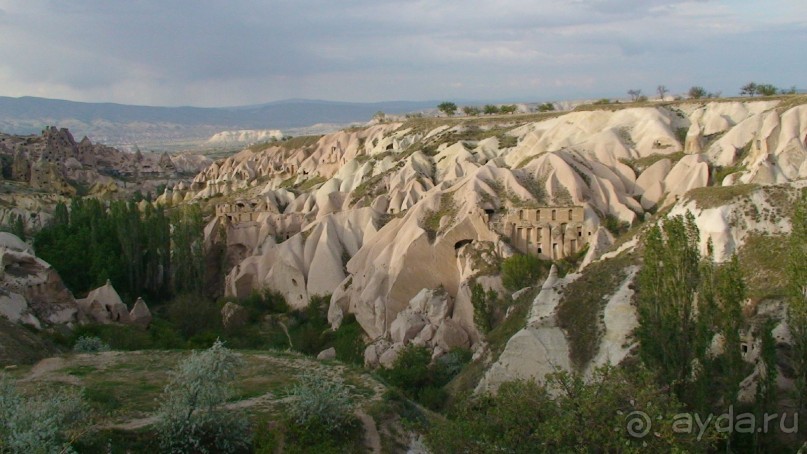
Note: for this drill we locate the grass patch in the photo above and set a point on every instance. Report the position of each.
(431, 221)
(639, 165)
(761, 260)
(81, 370)
(311, 182)
(715, 196)
(582, 304)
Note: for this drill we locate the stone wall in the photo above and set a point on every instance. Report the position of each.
(551, 233)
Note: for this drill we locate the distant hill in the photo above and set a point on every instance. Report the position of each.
(165, 127)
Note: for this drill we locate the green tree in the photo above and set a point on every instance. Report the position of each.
(697, 92)
(490, 109)
(41, 423)
(546, 107)
(520, 271)
(470, 111)
(483, 303)
(191, 417)
(767, 90)
(669, 337)
(188, 264)
(797, 307)
(749, 89)
(567, 414)
(320, 403)
(508, 109)
(448, 108)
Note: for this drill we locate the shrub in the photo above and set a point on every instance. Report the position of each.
(90, 344)
(349, 341)
(520, 271)
(410, 371)
(321, 403)
(37, 424)
(192, 315)
(191, 417)
(483, 303)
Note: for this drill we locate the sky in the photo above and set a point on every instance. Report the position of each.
(246, 52)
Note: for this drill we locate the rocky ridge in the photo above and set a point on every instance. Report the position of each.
(375, 215)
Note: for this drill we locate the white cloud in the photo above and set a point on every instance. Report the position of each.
(247, 51)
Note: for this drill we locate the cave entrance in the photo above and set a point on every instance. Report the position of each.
(459, 244)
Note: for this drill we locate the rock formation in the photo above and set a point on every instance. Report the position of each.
(32, 292)
(375, 215)
(104, 305)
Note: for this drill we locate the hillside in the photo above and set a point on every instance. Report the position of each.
(498, 248)
(167, 127)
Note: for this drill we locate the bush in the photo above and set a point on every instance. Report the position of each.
(410, 371)
(349, 341)
(37, 424)
(520, 271)
(484, 304)
(413, 374)
(264, 302)
(191, 417)
(90, 344)
(320, 402)
(193, 315)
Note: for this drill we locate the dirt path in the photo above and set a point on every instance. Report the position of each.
(135, 424)
(56, 369)
(372, 439)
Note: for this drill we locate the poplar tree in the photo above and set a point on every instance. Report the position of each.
(797, 309)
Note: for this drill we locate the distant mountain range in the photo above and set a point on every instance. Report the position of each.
(175, 127)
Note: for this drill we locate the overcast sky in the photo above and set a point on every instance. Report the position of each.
(238, 52)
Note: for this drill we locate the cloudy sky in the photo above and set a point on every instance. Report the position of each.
(238, 52)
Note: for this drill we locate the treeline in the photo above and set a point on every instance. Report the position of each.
(148, 252)
(689, 364)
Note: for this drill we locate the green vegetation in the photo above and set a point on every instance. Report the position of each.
(761, 258)
(696, 92)
(191, 417)
(420, 379)
(682, 303)
(546, 107)
(797, 312)
(90, 344)
(582, 304)
(311, 183)
(567, 414)
(320, 413)
(715, 196)
(520, 271)
(44, 422)
(753, 88)
(471, 111)
(143, 253)
(484, 304)
(433, 219)
(614, 225)
(448, 108)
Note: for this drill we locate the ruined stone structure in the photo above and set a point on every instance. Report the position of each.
(549, 232)
(241, 210)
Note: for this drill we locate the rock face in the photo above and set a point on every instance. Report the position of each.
(538, 349)
(104, 305)
(374, 215)
(233, 316)
(425, 322)
(140, 314)
(32, 292)
(53, 161)
(327, 354)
